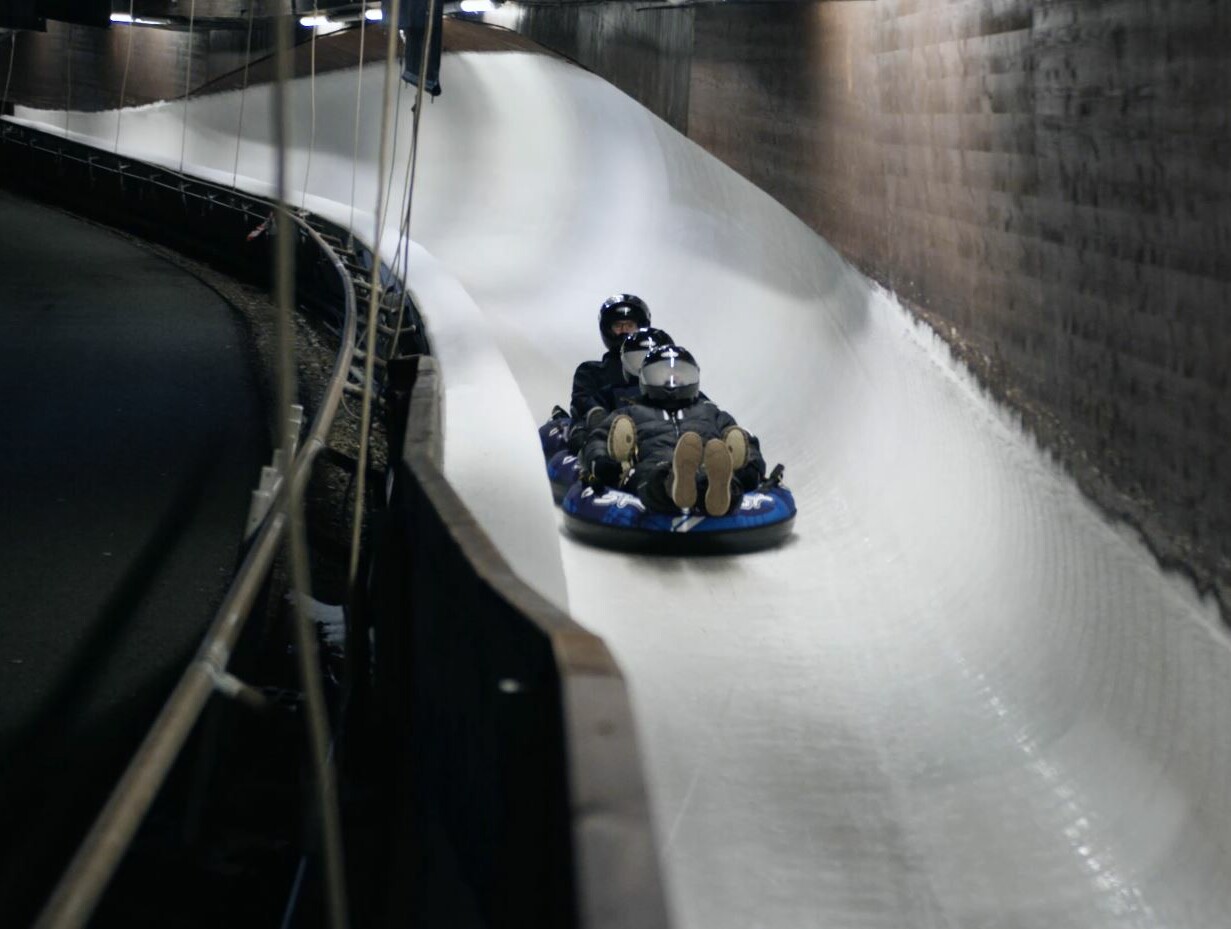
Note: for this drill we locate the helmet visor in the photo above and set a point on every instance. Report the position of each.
(633, 358)
(671, 374)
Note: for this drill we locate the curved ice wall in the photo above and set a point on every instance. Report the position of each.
(959, 697)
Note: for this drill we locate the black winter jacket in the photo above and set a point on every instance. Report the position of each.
(595, 384)
(658, 430)
(602, 384)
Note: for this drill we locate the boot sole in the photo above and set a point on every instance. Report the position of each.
(684, 464)
(737, 444)
(718, 470)
(622, 441)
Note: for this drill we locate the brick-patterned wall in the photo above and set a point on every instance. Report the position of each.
(1048, 182)
(45, 76)
(644, 52)
(787, 95)
(1133, 214)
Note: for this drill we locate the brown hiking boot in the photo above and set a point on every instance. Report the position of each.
(684, 463)
(718, 470)
(737, 444)
(622, 441)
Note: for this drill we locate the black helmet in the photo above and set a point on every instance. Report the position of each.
(635, 346)
(670, 377)
(617, 308)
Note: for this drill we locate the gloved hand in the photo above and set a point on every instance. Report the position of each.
(605, 471)
(596, 415)
(750, 476)
(576, 437)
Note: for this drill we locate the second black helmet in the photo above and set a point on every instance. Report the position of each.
(670, 377)
(619, 308)
(635, 346)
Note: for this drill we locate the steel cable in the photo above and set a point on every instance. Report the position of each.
(68, 92)
(243, 93)
(409, 182)
(401, 256)
(124, 80)
(4, 103)
(192, 10)
(305, 634)
(383, 165)
(397, 124)
(354, 160)
(402, 252)
(307, 173)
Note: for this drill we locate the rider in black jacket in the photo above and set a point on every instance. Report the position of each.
(595, 384)
(671, 446)
(594, 381)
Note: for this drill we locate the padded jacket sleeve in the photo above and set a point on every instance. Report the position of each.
(588, 383)
(596, 445)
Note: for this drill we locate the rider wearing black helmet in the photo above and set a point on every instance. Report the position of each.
(634, 349)
(612, 396)
(673, 445)
(596, 382)
(619, 316)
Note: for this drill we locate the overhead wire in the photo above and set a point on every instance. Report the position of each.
(119, 110)
(397, 270)
(397, 123)
(354, 162)
(401, 259)
(243, 93)
(68, 92)
(410, 174)
(192, 10)
(403, 229)
(383, 165)
(307, 174)
(305, 635)
(381, 207)
(4, 102)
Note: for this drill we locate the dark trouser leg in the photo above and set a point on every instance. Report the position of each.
(649, 483)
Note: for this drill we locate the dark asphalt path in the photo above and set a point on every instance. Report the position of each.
(131, 436)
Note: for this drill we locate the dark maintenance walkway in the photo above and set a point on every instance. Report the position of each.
(132, 434)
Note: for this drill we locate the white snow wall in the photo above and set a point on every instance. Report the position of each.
(959, 697)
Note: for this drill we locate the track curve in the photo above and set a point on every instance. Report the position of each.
(958, 696)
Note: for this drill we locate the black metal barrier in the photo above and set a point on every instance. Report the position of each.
(511, 724)
(224, 227)
(148, 201)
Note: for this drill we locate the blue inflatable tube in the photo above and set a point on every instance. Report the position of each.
(615, 519)
(553, 434)
(562, 472)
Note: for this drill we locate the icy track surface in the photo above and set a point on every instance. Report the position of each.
(957, 698)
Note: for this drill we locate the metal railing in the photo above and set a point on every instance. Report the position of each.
(96, 860)
(280, 496)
